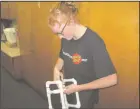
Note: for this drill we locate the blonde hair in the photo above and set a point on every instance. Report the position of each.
(63, 12)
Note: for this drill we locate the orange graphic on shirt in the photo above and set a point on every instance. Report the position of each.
(76, 58)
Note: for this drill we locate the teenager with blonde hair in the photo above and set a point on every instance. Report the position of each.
(83, 56)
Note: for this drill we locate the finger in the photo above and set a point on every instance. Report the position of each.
(67, 92)
(67, 87)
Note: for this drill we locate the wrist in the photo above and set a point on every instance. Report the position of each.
(81, 87)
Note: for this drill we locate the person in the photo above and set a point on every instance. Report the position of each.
(83, 56)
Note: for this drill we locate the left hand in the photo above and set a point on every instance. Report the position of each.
(71, 89)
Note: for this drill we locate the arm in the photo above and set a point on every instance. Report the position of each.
(57, 68)
(103, 67)
(105, 71)
(59, 65)
(104, 82)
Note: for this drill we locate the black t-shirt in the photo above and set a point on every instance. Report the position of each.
(86, 59)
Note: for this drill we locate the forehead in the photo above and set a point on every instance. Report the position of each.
(55, 22)
(56, 18)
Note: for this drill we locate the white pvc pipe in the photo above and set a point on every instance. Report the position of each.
(60, 90)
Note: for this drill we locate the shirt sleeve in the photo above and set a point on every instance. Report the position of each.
(102, 64)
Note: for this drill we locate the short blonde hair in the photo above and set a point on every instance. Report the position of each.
(63, 12)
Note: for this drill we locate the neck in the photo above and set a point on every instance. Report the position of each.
(79, 31)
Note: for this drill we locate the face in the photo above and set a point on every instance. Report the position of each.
(64, 31)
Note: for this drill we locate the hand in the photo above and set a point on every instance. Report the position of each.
(57, 75)
(71, 89)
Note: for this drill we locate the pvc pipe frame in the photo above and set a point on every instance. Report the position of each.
(60, 90)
